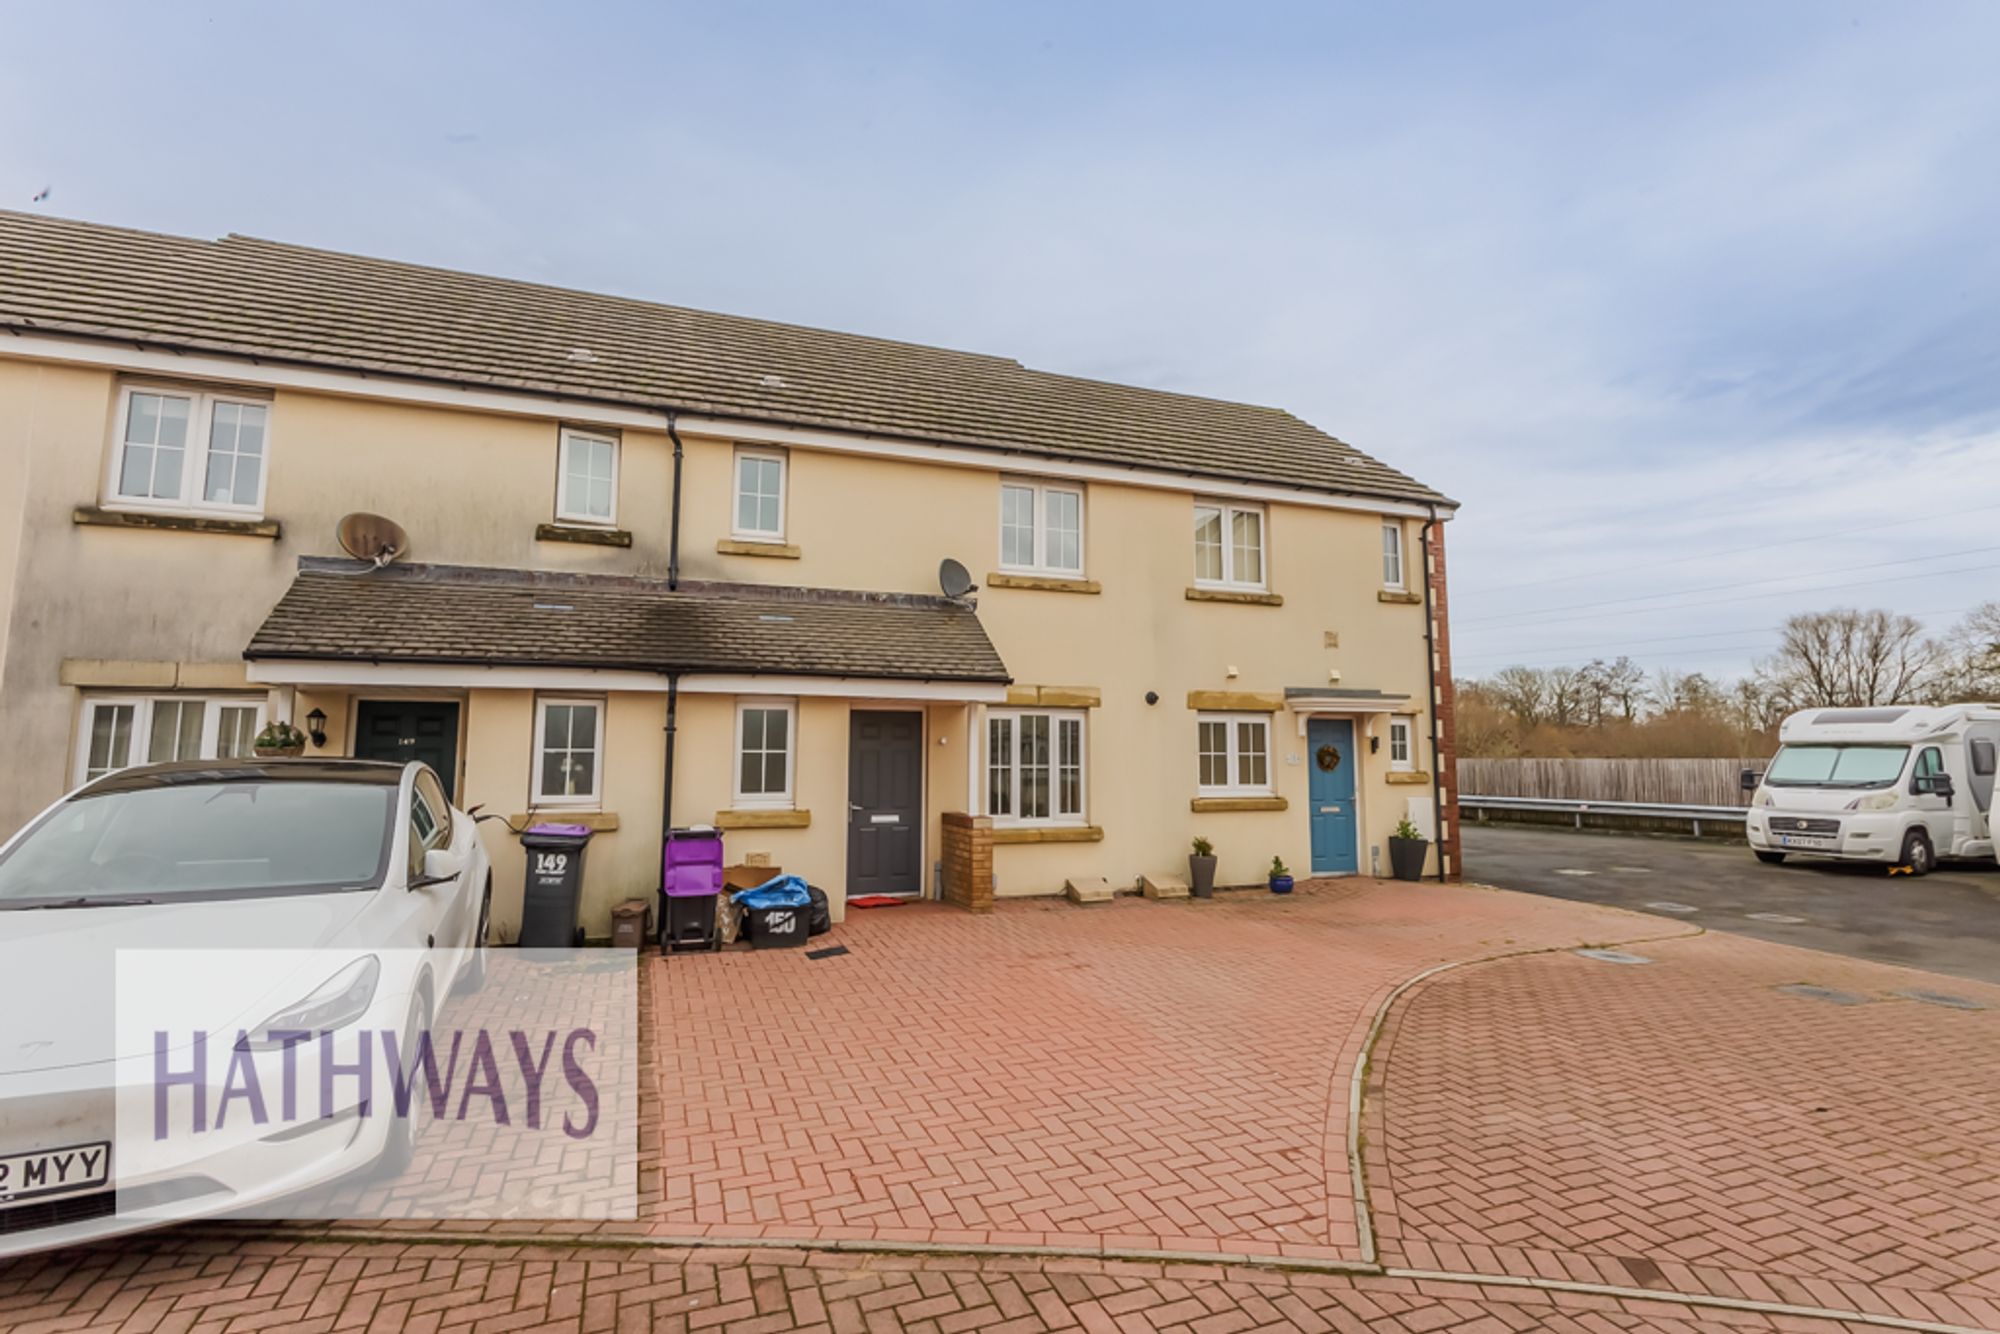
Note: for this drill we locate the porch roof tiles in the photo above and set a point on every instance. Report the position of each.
(439, 614)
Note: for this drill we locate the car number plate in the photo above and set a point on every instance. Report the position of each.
(1804, 841)
(27, 1177)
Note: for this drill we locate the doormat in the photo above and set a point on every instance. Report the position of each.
(876, 901)
(826, 953)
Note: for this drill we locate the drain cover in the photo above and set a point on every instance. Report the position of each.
(1779, 918)
(1940, 998)
(1613, 956)
(1668, 905)
(1806, 991)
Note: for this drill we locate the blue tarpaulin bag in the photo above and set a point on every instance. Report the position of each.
(787, 891)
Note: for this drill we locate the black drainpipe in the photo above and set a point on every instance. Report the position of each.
(674, 531)
(1431, 672)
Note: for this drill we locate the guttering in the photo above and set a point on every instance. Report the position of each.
(1431, 673)
(674, 532)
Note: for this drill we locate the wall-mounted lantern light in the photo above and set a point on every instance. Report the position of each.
(316, 727)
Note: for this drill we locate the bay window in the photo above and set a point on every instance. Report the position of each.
(1035, 766)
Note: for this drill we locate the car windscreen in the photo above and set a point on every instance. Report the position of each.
(230, 839)
(1836, 766)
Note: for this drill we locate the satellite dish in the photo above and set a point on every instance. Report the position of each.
(372, 538)
(952, 577)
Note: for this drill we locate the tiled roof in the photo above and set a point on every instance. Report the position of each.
(519, 618)
(246, 297)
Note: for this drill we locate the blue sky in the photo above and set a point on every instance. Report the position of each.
(1696, 307)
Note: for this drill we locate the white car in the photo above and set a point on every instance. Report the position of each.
(349, 895)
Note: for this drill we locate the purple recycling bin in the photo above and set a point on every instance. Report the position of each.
(690, 881)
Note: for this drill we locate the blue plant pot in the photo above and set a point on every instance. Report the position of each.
(1281, 884)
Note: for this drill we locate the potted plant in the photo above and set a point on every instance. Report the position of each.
(279, 740)
(1407, 850)
(1201, 869)
(1281, 876)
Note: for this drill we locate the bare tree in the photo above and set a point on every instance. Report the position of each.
(1568, 692)
(1849, 659)
(1971, 668)
(1523, 692)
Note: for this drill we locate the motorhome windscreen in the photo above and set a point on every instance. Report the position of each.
(1836, 766)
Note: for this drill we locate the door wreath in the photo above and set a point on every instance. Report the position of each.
(1328, 758)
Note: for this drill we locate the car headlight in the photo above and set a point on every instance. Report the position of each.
(1880, 801)
(335, 1003)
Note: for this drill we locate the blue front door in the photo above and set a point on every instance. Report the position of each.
(1330, 790)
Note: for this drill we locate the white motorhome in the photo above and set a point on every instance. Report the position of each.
(1903, 785)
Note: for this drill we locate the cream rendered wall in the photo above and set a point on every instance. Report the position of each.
(469, 487)
(885, 524)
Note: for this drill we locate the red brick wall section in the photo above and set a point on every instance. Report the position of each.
(1446, 739)
(968, 861)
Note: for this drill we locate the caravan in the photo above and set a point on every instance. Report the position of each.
(1902, 784)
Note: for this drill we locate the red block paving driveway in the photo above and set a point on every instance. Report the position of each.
(1040, 1098)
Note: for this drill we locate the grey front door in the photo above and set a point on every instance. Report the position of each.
(409, 729)
(885, 805)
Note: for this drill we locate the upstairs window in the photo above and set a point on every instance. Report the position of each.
(1041, 529)
(178, 449)
(760, 496)
(587, 479)
(1392, 555)
(1228, 545)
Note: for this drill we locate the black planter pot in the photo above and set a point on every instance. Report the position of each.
(1406, 857)
(1201, 877)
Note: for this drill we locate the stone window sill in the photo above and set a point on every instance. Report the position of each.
(594, 537)
(730, 546)
(1242, 597)
(597, 822)
(1406, 599)
(1089, 833)
(1216, 805)
(1043, 583)
(179, 523)
(763, 819)
(1408, 776)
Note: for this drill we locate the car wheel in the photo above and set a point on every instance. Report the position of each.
(1770, 858)
(401, 1146)
(1917, 852)
(473, 976)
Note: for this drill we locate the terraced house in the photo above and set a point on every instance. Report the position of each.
(671, 565)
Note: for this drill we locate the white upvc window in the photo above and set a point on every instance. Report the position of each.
(1392, 554)
(1228, 545)
(119, 731)
(1233, 754)
(189, 450)
(1402, 743)
(759, 495)
(766, 744)
(1035, 770)
(1041, 529)
(569, 752)
(587, 478)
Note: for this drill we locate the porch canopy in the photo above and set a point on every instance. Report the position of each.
(1331, 702)
(346, 622)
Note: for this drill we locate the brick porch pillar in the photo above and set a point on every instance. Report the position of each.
(968, 861)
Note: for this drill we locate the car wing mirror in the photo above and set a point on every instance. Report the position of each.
(1748, 780)
(1936, 785)
(441, 866)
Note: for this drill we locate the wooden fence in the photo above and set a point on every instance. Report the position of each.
(1675, 782)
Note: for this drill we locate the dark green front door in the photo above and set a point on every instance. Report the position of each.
(410, 729)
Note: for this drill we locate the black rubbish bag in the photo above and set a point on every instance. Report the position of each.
(822, 912)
